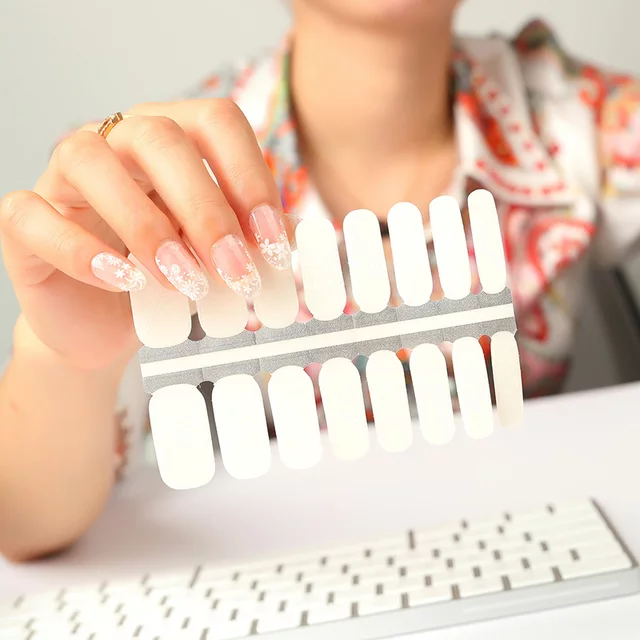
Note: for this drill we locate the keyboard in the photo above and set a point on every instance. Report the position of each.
(421, 579)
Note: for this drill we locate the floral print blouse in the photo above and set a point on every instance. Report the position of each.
(555, 140)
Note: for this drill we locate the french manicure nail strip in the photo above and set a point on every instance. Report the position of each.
(267, 227)
(117, 272)
(180, 268)
(235, 266)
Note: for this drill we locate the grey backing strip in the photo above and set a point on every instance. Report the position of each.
(315, 327)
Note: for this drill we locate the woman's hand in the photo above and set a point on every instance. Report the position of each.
(145, 190)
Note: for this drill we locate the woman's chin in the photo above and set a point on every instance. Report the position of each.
(408, 12)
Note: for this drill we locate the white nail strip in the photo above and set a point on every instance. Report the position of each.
(222, 313)
(161, 317)
(295, 417)
(433, 395)
(324, 290)
(410, 257)
(487, 241)
(367, 263)
(507, 378)
(389, 401)
(344, 411)
(472, 383)
(277, 303)
(451, 247)
(242, 426)
(182, 436)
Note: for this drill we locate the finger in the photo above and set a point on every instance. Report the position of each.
(175, 168)
(228, 143)
(92, 168)
(43, 238)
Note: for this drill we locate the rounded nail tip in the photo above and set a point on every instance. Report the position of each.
(197, 288)
(135, 288)
(194, 286)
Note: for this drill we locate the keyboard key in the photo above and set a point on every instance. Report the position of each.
(353, 594)
(37, 603)
(13, 620)
(329, 613)
(379, 604)
(485, 526)
(582, 540)
(216, 575)
(531, 577)
(501, 567)
(430, 595)
(469, 559)
(580, 507)
(388, 571)
(592, 567)
(515, 551)
(282, 584)
(173, 579)
(427, 569)
(605, 550)
(562, 534)
(330, 576)
(454, 576)
(480, 586)
(358, 550)
(403, 585)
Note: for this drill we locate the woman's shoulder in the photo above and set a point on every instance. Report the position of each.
(552, 71)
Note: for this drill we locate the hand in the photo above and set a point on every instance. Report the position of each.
(145, 190)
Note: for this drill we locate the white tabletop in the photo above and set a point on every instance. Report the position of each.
(571, 447)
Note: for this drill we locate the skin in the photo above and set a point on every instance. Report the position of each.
(388, 63)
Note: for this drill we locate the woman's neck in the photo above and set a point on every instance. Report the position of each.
(361, 90)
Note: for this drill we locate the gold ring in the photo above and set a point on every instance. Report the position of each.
(111, 121)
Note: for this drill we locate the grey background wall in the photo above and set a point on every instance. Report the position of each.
(62, 63)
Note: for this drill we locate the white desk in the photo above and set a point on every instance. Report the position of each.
(571, 447)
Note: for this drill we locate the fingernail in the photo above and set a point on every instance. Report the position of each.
(267, 227)
(235, 266)
(117, 272)
(180, 268)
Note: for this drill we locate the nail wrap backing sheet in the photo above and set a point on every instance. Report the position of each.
(179, 373)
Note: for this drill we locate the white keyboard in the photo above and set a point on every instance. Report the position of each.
(421, 579)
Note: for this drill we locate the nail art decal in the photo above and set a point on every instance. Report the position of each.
(248, 285)
(268, 229)
(117, 272)
(235, 266)
(181, 270)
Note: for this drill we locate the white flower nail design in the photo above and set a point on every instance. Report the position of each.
(235, 266)
(247, 285)
(117, 272)
(276, 252)
(181, 270)
(271, 238)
